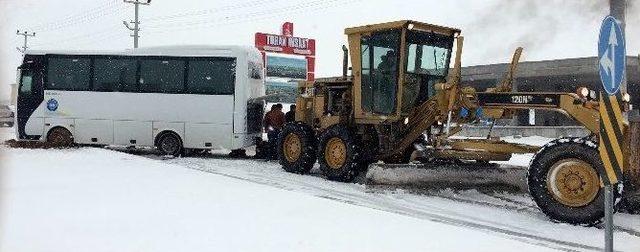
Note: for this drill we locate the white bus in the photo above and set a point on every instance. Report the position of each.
(174, 98)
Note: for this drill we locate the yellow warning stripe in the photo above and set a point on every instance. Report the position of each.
(607, 121)
(615, 106)
(612, 178)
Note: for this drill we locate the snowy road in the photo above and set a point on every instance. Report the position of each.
(514, 216)
(103, 200)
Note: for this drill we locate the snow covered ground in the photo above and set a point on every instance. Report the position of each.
(93, 199)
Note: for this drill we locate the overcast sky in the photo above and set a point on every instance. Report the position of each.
(548, 29)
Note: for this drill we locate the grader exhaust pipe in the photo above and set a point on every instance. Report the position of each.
(345, 61)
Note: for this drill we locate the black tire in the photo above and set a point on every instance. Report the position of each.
(194, 152)
(262, 150)
(401, 158)
(405, 156)
(352, 164)
(239, 153)
(170, 144)
(307, 147)
(539, 170)
(59, 138)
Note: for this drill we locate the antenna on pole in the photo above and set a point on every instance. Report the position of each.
(26, 36)
(136, 22)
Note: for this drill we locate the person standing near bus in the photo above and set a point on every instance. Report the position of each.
(273, 122)
(291, 115)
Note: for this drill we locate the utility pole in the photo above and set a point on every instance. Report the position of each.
(26, 36)
(136, 22)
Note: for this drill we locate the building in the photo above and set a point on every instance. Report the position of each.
(563, 75)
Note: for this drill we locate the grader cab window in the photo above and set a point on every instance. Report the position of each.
(380, 54)
(428, 56)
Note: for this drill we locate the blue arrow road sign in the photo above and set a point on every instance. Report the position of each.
(611, 55)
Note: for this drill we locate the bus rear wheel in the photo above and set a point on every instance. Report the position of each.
(59, 138)
(170, 144)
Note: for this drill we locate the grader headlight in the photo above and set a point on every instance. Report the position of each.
(626, 97)
(583, 92)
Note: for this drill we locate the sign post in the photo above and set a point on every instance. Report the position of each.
(612, 64)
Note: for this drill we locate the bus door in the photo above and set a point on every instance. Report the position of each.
(30, 121)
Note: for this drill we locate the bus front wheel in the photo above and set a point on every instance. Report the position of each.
(59, 137)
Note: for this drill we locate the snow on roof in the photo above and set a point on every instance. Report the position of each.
(173, 50)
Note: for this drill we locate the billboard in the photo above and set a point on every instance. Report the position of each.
(286, 67)
(282, 73)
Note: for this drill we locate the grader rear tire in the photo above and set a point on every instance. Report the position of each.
(297, 148)
(338, 154)
(563, 180)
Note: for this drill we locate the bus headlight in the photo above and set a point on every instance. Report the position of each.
(626, 97)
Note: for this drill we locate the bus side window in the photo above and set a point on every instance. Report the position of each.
(255, 70)
(212, 76)
(69, 73)
(113, 75)
(162, 76)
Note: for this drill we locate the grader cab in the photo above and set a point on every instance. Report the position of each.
(403, 100)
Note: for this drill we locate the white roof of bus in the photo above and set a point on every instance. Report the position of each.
(178, 50)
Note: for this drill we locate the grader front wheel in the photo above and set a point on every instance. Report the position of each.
(297, 148)
(573, 182)
(564, 181)
(338, 154)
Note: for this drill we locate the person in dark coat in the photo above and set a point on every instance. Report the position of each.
(273, 123)
(291, 115)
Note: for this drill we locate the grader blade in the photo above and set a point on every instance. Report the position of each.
(455, 176)
(458, 163)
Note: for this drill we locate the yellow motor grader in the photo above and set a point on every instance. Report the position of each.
(401, 94)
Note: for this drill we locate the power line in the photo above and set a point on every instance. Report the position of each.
(239, 18)
(136, 23)
(191, 14)
(76, 18)
(93, 36)
(83, 20)
(282, 9)
(258, 15)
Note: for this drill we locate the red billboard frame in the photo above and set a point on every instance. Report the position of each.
(286, 43)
